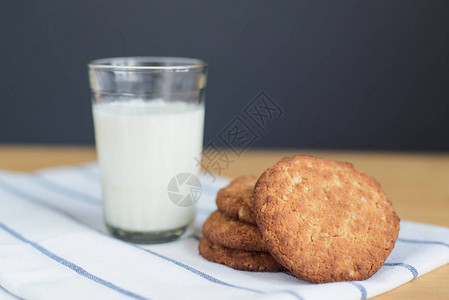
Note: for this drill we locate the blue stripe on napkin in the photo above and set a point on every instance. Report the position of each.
(412, 269)
(9, 293)
(422, 242)
(361, 288)
(71, 265)
(43, 181)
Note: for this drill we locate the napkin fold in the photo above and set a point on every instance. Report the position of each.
(54, 245)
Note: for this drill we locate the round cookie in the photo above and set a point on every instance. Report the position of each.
(325, 221)
(227, 232)
(235, 200)
(239, 259)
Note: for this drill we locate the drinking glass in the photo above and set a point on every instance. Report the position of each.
(148, 117)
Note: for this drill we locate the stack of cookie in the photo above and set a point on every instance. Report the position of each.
(230, 234)
(324, 221)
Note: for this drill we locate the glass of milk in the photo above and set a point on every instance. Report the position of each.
(148, 115)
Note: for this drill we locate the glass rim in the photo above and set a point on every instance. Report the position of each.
(176, 63)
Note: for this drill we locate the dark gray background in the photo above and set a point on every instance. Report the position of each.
(349, 74)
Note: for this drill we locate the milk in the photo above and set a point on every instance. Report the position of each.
(141, 145)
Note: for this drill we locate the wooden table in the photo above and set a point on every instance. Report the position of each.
(417, 184)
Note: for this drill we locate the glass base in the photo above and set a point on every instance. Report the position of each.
(150, 237)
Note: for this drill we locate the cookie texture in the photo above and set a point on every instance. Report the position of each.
(227, 232)
(237, 258)
(325, 221)
(235, 200)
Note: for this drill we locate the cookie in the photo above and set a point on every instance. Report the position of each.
(238, 259)
(235, 200)
(227, 232)
(325, 221)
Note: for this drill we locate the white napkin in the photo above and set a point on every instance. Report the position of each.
(53, 245)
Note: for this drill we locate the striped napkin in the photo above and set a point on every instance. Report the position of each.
(54, 245)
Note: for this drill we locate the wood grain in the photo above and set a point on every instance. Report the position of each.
(417, 184)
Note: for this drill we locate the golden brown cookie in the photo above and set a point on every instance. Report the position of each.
(235, 200)
(227, 232)
(238, 259)
(323, 220)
